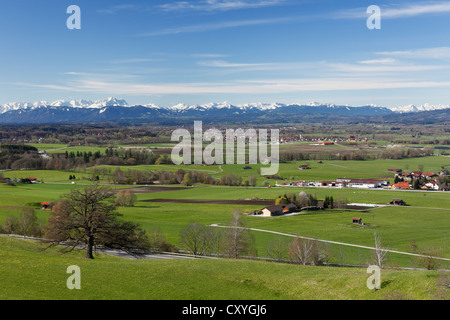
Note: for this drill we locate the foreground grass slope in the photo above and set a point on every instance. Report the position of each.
(27, 272)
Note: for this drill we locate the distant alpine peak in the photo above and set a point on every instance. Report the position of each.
(423, 107)
(182, 108)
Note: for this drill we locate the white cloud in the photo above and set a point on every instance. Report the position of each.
(126, 61)
(218, 5)
(425, 53)
(378, 61)
(413, 10)
(225, 64)
(374, 67)
(118, 8)
(213, 26)
(263, 86)
(208, 55)
(398, 11)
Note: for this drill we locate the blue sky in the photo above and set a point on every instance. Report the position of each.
(239, 51)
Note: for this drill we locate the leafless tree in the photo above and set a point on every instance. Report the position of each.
(380, 253)
(302, 250)
(237, 240)
(277, 249)
(27, 221)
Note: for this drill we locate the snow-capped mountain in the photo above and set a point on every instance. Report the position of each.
(413, 108)
(109, 102)
(118, 110)
(183, 108)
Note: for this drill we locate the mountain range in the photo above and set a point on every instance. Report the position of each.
(118, 110)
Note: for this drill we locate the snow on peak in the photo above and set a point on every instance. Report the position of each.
(181, 107)
(414, 108)
(110, 102)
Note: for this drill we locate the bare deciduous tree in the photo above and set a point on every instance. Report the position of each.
(277, 249)
(27, 221)
(380, 253)
(302, 250)
(238, 240)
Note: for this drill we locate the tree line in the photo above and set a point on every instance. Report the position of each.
(391, 153)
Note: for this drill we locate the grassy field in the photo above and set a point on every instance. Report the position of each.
(26, 270)
(426, 220)
(29, 273)
(327, 170)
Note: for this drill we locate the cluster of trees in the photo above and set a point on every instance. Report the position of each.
(300, 201)
(180, 176)
(233, 241)
(310, 200)
(18, 157)
(25, 224)
(391, 153)
(402, 153)
(85, 135)
(15, 156)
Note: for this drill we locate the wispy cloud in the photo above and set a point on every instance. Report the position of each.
(214, 26)
(225, 64)
(372, 68)
(261, 86)
(398, 11)
(378, 61)
(208, 55)
(218, 5)
(441, 53)
(127, 61)
(413, 10)
(119, 8)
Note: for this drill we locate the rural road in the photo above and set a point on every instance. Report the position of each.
(118, 253)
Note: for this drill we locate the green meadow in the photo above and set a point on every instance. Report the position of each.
(425, 220)
(29, 272)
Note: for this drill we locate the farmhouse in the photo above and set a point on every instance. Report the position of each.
(304, 167)
(357, 220)
(401, 185)
(272, 211)
(431, 185)
(46, 205)
(430, 175)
